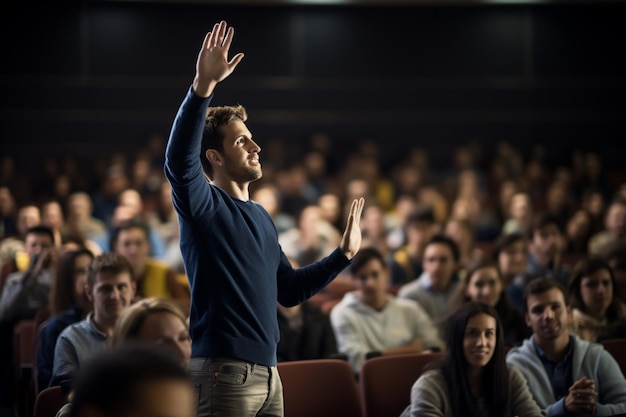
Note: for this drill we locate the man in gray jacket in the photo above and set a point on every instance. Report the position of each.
(566, 375)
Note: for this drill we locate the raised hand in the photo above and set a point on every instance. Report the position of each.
(213, 65)
(351, 239)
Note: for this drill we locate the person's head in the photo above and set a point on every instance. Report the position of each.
(475, 348)
(227, 145)
(52, 214)
(110, 286)
(520, 206)
(132, 381)
(592, 288)
(37, 239)
(419, 226)
(615, 218)
(68, 287)
(544, 236)
(463, 234)
(27, 216)
(440, 261)
(579, 226)
(79, 206)
(483, 283)
(510, 251)
(155, 320)
(131, 238)
(370, 275)
(132, 199)
(545, 310)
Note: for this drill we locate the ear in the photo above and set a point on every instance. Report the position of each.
(88, 293)
(214, 157)
(133, 286)
(527, 320)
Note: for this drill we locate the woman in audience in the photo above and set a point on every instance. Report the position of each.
(472, 379)
(483, 283)
(68, 305)
(156, 321)
(597, 312)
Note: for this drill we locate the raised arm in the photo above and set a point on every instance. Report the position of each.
(213, 65)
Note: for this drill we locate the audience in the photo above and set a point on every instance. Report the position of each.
(157, 321)
(153, 277)
(110, 288)
(133, 381)
(305, 333)
(566, 374)
(483, 283)
(434, 289)
(472, 379)
(597, 313)
(68, 305)
(371, 322)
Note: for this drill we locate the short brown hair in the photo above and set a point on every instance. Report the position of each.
(111, 262)
(212, 138)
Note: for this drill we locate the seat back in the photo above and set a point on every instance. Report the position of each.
(319, 387)
(385, 382)
(617, 349)
(49, 401)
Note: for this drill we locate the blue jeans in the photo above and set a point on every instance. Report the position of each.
(233, 388)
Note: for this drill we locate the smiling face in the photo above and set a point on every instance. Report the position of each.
(547, 315)
(240, 160)
(111, 293)
(479, 340)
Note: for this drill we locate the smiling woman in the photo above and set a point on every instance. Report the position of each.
(474, 364)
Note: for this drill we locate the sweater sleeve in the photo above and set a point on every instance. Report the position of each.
(611, 386)
(183, 167)
(429, 396)
(349, 340)
(522, 402)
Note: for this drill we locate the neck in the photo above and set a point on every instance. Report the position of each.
(105, 326)
(555, 349)
(379, 303)
(236, 190)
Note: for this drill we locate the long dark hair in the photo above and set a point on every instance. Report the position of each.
(62, 293)
(585, 268)
(495, 375)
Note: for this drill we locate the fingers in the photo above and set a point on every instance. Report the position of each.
(356, 209)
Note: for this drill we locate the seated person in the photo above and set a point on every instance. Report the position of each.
(483, 283)
(133, 380)
(597, 313)
(566, 374)
(68, 305)
(154, 278)
(472, 379)
(110, 288)
(305, 333)
(434, 289)
(370, 321)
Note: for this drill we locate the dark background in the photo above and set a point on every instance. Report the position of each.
(88, 78)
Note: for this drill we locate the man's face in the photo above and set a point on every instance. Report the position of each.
(111, 293)
(241, 154)
(133, 244)
(439, 264)
(513, 259)
(546, 241)
(371, 280)
(547, 315)
(27, 217)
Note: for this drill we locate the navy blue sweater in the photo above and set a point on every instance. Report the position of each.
(236, 268)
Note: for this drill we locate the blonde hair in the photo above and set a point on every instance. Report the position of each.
(129, 323)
